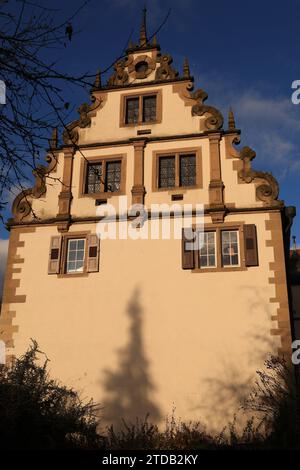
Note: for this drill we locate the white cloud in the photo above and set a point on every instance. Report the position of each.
(270, 123)
(268, 111)
(3, 256)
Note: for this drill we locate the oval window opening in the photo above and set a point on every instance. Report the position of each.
(141, 67)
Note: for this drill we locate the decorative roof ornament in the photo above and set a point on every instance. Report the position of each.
(231, 120)
(54, 139)
(143, 29)
(215, 119)
(294, 244)
(131, 44)
(84, 118)
(267, 189)
(165, 71)
(154, 40)
(120, 76)
(97, 83)
(186, 68)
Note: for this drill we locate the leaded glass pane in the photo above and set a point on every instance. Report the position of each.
(230, 248)
(75, 255)
(132, 110)
(207, 254)
(149, 108)
(187, 170)
(94, 174)
(113, 176)
(166, 172)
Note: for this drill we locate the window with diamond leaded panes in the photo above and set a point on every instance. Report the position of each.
(166, 170)
(188, 170)
(149, 108)
(104, 176)
(75, 255)
(132, 110)
(178, 170)
(93, 179)
(113, 176)
(207, 252)
(230, 248)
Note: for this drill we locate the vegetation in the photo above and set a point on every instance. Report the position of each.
(36, 412)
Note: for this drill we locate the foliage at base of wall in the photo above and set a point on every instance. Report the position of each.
(36, 412)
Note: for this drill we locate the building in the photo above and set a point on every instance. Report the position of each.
(294, 281)
(146, 325)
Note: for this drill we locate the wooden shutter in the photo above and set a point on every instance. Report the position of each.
(188, 259)
(54, 255)
(93, 243)
(250, 242)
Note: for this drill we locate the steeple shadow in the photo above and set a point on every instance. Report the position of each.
(128, 389)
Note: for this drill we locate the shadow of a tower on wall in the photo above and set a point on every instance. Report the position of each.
(128, 390)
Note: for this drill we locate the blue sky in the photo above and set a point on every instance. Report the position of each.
(243, 54)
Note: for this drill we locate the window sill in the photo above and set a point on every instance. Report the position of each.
(138, 124)
(102, 195)
(72, 275)
(177, 189)
(219, 270)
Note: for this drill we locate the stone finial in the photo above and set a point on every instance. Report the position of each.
(231, 120)
(154, 40)
(143, 29)
(54, 139)
(97, 83)
(294, 243)
(186, 68)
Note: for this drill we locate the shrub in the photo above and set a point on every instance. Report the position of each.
(276, 398)
(36, 412)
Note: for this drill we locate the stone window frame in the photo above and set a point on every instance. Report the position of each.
(103, 160)
(141, 95)
(218, 228)
(151, 62)
(64, 252)
(156, 154)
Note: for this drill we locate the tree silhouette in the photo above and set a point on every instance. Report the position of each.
(129, 388)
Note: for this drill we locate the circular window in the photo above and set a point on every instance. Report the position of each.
(141, 67)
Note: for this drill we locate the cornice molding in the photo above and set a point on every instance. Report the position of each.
(77, 220)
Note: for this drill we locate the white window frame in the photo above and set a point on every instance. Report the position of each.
(75, 271)
(207, 255)
(238, 250)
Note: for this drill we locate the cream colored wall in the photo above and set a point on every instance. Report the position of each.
(176, 117)
(204, 335)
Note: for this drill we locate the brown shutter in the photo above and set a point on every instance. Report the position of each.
(188, 260)
(250, 241)
(54, 255)
(93, 253)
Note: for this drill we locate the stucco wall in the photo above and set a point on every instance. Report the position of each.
(198, 338)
